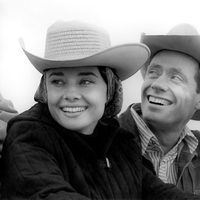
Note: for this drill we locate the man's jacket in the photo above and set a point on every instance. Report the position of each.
(188, 165)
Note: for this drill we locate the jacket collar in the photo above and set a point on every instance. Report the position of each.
(97, 144)
(127, 122)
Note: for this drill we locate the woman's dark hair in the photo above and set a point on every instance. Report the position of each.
(102, 71)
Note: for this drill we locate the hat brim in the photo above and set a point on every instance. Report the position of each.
(125, 59)
(187, 44)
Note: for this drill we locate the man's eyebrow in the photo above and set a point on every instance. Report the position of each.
(87, 74)
(153, 65)
(56, 74)
(178, 71)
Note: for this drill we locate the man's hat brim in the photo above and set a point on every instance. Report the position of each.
(125, 59)
(187, 44)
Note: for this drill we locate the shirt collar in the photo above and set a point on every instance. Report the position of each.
(146, 134)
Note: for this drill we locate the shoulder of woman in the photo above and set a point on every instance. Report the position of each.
(33, 123)
(37, 114)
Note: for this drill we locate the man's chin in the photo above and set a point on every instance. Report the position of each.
(154, 118)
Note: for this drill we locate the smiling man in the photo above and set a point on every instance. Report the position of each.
(170, 97)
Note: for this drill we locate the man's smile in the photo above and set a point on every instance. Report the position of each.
(158, 100)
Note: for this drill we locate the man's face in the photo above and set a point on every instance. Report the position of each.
(169, 96)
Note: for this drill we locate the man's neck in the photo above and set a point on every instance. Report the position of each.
(167, 137)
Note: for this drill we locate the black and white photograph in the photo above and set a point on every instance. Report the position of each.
(99, 100)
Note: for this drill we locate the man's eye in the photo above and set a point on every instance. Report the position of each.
(152, 73)
(177, 77)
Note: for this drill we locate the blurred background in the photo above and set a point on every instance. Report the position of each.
(125, 20)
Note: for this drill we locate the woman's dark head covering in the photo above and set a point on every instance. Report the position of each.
(114, 92)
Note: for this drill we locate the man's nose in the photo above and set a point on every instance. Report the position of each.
(160, 84)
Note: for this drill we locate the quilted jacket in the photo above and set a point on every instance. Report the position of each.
(42, 160)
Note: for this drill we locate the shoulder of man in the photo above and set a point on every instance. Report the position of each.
(126, 120)
(197, 135)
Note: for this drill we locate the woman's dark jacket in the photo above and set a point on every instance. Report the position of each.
(188, 164)
(42, 160)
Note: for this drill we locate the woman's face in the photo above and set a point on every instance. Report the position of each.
(76, 97)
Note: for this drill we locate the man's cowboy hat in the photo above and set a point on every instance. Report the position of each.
(183, 38)
(75, 44)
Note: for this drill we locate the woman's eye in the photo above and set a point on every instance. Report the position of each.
(86, 82)
(57, 82)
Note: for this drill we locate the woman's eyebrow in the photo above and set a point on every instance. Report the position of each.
(56, 74)
(79, 74)
(87, 74)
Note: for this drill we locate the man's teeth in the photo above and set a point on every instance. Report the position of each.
(159, 101)
(73, 109)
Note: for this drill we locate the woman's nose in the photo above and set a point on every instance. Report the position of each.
(72, 94)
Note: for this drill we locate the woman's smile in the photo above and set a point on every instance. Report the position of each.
(73, 109)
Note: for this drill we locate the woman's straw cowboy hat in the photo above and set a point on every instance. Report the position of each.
(183, 38)
(75, 44)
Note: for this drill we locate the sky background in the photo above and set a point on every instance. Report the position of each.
(125, 20)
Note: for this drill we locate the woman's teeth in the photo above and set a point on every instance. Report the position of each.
(74, 109)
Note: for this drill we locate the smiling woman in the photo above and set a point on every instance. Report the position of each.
(76, 97)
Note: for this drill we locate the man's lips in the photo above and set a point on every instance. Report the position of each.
(158, 100)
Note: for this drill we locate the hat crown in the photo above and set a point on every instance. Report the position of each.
(183, 29)
(74, 40)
